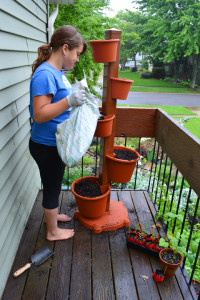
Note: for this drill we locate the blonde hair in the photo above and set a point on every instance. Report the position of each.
(65, 34)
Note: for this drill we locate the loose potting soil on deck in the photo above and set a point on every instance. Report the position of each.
(86, 188)
(124, 154)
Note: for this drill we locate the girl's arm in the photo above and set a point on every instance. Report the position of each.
(44, 110)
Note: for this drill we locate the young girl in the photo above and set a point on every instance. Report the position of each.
(51, 98)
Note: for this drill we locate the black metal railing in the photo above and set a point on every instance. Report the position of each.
(176, 203)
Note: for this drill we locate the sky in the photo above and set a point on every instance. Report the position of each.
(117, 5)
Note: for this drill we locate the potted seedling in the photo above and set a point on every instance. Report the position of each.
(170, 258)
(158, 275)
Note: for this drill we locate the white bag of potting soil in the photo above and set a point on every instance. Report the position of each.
(74, 136)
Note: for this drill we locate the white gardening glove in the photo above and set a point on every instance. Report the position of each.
(77, 98)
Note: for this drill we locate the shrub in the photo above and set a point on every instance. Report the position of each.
(146, 75)
(158, 72)
(133, 69)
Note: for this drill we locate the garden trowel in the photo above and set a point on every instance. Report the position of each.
(36, 259)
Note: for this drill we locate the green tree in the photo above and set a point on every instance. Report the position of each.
(88, 17)
(174, 28)
(131, 24)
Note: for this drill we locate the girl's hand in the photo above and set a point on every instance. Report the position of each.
(77, 98)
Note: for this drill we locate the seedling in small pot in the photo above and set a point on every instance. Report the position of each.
(158, 275)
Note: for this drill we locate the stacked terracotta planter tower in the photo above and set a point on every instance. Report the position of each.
(102, 213)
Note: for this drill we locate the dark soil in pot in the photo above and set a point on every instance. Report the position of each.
(86, 188)
(124, 154)
(101, 117)
(196, 287)
(171, 258)
(159, 273)
(149, 242)
(140, 238)
(133, 235)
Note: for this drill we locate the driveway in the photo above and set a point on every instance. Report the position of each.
(185, 100)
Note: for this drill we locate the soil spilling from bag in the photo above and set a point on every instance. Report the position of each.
(86, 188)
(171, 258)
(159, 273)
(125, 154)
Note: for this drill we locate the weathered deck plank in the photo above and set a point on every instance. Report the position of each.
(91, 266)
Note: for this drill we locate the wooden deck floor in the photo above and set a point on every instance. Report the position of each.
(92, 266)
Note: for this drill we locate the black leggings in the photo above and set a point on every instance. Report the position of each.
(51, 171)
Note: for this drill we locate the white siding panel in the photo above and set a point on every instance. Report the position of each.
(15, 26)
(12, 145)
(41, 4)
(23, 117)
(10, 60)
(9, 95)
(13, 76)
(7, 114)
(8, 132)
(23, 26)
(12, 42)
(7, 170)
(33, 7)
(23, 102)
(17, 11)
(34, 45)
(32, 57)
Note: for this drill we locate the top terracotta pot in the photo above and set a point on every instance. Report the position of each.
(104, 51)
(120, 88)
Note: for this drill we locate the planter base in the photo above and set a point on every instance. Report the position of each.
(117, 217)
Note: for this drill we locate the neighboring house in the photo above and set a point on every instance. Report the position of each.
(23, 25)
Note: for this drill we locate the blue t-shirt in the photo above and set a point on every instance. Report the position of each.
(48, 80)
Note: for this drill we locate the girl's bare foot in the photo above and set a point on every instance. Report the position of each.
(60, 234)
(62, 218)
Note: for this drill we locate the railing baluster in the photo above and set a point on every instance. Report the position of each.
(172, 199)
(195, 263)
(170, 172)
(163, 181)
(148, 189)
(136, 169)
(159, 174)
(191, 230)
(179, 201)
(186, 208)
(156, 163)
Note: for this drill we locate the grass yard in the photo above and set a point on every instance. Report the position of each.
(171, 110)
(154, 85)
(193, 125)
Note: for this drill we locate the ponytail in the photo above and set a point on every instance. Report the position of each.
(66, 34)
(44, 53)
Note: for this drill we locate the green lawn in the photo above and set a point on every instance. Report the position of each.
(193, 125)
(171, 110)
(147, 89)
(153, 85)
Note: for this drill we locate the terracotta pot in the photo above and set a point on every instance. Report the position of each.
(120, 88)
(91, 207)
(104, 51)
(120, 170)
(168, 268)
(104, 127)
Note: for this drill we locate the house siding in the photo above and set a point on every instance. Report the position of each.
(23, 29)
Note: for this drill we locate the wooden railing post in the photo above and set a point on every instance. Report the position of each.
(108, 108)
